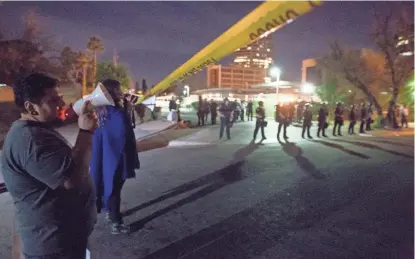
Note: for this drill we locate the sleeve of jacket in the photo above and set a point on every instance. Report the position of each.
(96, 166)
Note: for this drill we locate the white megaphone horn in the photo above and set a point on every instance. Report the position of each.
(150, 102)
(99, 97)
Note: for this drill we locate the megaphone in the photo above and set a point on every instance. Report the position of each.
(99, 97)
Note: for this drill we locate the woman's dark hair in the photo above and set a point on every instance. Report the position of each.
(32, 88)
(112, 85)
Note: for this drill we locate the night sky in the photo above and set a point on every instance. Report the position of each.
(154, 38)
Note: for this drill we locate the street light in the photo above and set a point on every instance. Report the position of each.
(275, 72)
(308, 88)
(186, 90)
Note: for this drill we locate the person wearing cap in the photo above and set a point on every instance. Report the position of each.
(307, 119)
(338, 119)
(260, 120)
(225, 113)
(322, 120)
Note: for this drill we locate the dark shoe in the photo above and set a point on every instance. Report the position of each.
(340, 135)
(263, 138)
(310, 137)
(285, 137)
(302, 136)
(325, 136)
(117, 228)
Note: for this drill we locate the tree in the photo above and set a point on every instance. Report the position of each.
(84, 60)
(107, 70)
(68, 60)
(354, 68)
(144, 86)
(95, 46)
(388, 31)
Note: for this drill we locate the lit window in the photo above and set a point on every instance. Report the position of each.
(257, 54)
(249, 48)
(268, 50)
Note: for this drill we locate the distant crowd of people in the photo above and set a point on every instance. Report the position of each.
(301, 113)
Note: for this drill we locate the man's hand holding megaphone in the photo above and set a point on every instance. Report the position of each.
(87, 120)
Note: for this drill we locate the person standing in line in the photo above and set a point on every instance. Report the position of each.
(338, 119)
(352, 119)
(369, 120)
(225, 113)
(213, 111)
(260, 120)
(363, 118)
(114, 156)
(282, 119)
(404, 116)
(243, 107)
(322, 120)
(201, 113)
(48, 179)
(250, 111)
(206, 108)
(307, 120)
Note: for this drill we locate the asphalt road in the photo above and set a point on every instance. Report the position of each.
(349, 197)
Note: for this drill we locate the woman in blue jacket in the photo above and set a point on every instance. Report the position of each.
(114, 155)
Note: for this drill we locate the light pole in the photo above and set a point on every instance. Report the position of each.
(187, 89)
(275, 72)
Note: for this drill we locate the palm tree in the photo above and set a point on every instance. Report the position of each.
(84, 60)
(95, 46)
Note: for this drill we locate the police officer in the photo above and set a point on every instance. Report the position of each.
(282, 117)
(213, 111)
(307, 119)
(322, 120)
(225, 113)
(338, 119)
(260, 120)
(249, 110)
(352, 119)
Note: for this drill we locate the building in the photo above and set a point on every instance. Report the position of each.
(310, 73)
(219, 76)
(256, 55)
(405, 43)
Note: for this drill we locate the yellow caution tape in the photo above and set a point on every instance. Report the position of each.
(266, 18)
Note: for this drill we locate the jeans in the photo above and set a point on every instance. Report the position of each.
(114, 202)
(259, 124)
(225, 123)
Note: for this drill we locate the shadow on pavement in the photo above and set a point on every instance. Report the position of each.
(291, 149)
(372, 146)
(287, 221)
(341, 148)
(389, 142)
(214, 181)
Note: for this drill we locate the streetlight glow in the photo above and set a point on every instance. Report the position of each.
(275, 72)
(308, 88)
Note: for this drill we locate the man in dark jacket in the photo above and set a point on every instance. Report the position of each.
(226, 113)
(322, 120)
(352, 119)
(338, 119)
(307, 119)
(260, 120)
(201, 113)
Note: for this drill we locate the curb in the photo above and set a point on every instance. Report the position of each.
(157, 132)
